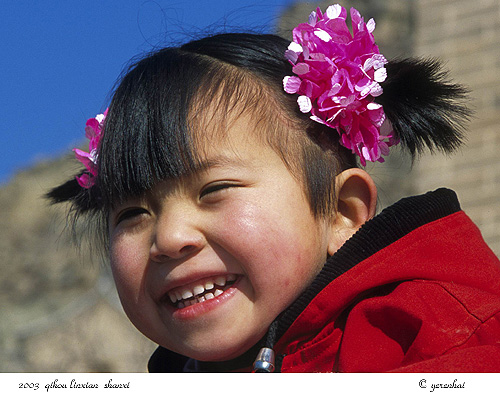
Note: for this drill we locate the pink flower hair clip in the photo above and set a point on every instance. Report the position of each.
(338, 75)
(93, 131)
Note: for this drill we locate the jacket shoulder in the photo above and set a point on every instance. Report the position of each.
(420, 320)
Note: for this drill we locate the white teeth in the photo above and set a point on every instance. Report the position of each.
(198, 290)
(183, 297)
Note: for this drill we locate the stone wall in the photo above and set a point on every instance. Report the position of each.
(466, 35)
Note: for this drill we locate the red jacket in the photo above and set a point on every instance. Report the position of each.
(416, 289)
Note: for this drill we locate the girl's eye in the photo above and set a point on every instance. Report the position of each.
(213, 188)
(129, 213)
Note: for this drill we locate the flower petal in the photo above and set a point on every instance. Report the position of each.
(305, 104)
(85, 181)
(312, 18)
(301, 68)
(380, 75)
(291, 84)
(83, 157)
(333, 11)
(323, 35)
(370, 25)
(376, 90)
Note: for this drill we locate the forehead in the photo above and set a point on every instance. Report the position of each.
(230, 142)
(228, 122)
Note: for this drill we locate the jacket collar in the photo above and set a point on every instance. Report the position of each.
(376, 234)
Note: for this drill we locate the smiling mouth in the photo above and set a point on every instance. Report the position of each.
(210, 288)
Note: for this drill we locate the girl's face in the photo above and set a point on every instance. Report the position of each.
(204, 264)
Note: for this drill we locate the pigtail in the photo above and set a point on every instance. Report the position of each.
(84, 218)
(82, 200)
(423, 106)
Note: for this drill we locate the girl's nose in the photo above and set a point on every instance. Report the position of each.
(176, 237)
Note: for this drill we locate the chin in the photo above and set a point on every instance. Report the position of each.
(214, 350)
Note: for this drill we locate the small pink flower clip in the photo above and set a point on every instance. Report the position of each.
(93, 131)
(337, 76)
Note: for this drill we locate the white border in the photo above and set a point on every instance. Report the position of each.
(237, 383)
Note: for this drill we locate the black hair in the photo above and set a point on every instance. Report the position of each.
(148, 134)
(425, 108)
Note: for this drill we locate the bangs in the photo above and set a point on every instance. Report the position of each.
(146, 136)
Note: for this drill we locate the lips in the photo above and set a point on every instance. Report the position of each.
(200, 291)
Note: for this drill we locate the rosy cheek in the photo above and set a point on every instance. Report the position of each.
(127, 269)
(278, 252)
(257, 240)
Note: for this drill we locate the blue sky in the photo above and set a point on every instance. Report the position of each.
(60, 60)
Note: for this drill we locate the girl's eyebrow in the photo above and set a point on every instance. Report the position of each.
(220, 161)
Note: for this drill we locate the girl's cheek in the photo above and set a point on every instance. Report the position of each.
(253, 235)
(240, 221)
(272, 241)
(126, 265)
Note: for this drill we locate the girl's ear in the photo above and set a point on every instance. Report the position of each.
(356, 203)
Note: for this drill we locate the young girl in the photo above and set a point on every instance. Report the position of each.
(242, 233)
